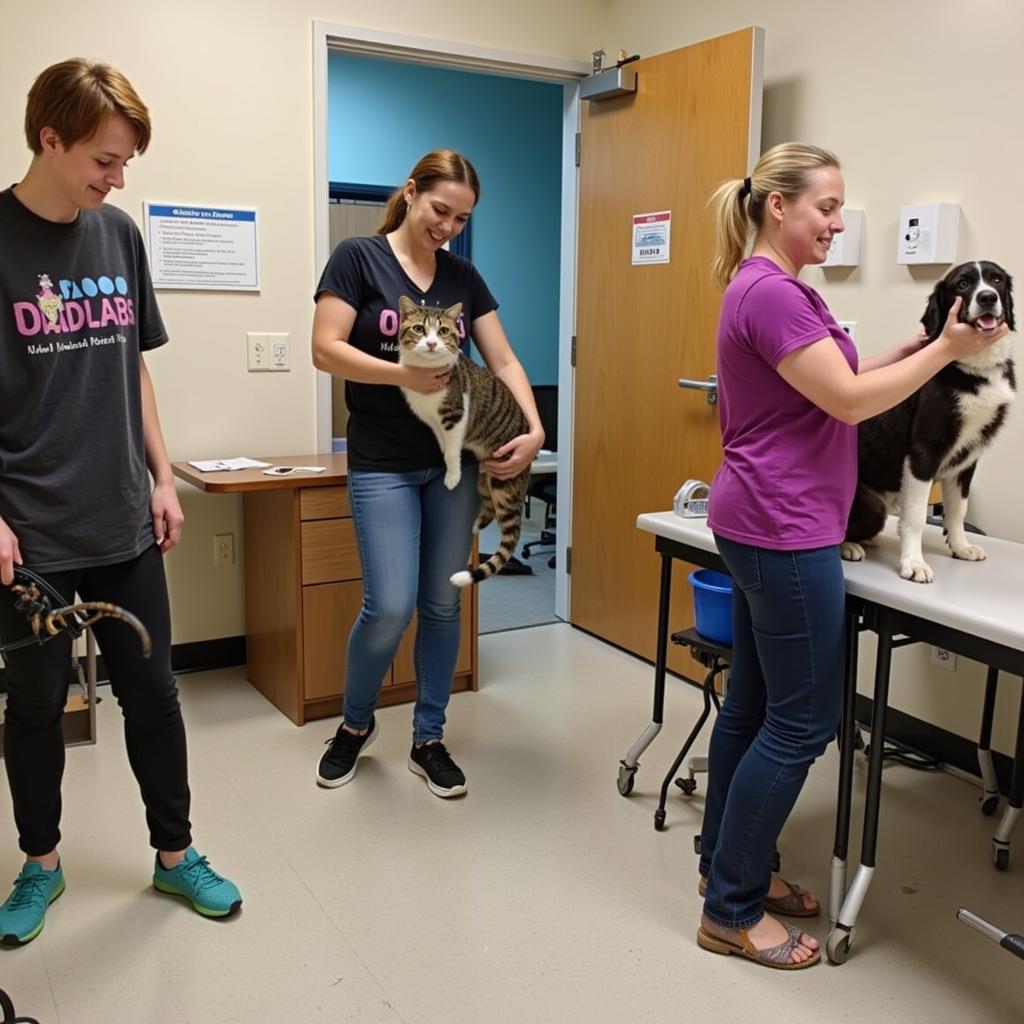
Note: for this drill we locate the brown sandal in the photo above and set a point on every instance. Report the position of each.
(777, 957)
(790, 905)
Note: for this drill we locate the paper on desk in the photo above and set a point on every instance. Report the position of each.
(287, 470)
(219, 465)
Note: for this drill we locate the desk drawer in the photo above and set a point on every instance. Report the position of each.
(323, 502)
(329, 552)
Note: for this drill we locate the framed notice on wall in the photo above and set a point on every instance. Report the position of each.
(211, 248)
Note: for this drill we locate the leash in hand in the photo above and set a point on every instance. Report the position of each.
(48, 615)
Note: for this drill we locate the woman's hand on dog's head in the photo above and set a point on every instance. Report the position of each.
(962, 340)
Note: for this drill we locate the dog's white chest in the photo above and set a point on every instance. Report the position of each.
(977, 410)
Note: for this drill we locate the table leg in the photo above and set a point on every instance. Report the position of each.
(1001, 840)
(989, 782)
(847, 750)
(840, 939)
(629, 764)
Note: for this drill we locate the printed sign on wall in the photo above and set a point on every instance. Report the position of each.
(202, 247)
(651, 233)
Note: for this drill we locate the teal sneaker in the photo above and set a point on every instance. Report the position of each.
(23, 914)
(193, 878)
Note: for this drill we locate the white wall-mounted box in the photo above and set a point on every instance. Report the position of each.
(845, 248)
(928, 233)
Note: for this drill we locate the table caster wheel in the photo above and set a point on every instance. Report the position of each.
(659, 820)
(688, 786)
(627, 776)
(838, 944)
(989, 806)
(1001, 859)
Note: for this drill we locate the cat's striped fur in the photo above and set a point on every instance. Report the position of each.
(475, 411)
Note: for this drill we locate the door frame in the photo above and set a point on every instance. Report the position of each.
(330, 36)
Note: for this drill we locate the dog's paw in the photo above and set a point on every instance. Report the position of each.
(851, 551)
(917, 570)
(970, 553)
(451, 480)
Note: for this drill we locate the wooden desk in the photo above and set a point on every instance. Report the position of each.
(303, 587)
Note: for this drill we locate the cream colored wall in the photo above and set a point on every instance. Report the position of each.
(230, 90)
(919, 100)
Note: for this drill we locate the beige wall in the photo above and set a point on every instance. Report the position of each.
(915, 97)
(920, 103)
(230, 90)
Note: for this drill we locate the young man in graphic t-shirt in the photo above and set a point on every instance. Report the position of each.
(79, 436)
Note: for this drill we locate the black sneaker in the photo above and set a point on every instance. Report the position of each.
(435, 764)
(338, 765)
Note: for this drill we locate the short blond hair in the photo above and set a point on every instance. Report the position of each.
(75, 97)
(739, 204)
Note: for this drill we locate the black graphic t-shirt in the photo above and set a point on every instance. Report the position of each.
(383, 433)
(76, 309)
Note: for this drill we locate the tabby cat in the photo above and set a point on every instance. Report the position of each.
(475, 410)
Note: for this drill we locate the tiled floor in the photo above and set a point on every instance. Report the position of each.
(543, 896)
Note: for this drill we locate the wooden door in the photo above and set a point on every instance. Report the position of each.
(693, 122)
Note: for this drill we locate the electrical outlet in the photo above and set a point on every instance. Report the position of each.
(223, 549)
(944, 659)
(258, 352)
(278, 347)
(850, 326)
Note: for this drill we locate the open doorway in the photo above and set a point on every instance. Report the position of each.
(492, 68)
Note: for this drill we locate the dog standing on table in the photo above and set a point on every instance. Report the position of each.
(939, 432)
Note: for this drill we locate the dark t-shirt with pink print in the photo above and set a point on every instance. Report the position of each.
(383, 433)
(76, 310)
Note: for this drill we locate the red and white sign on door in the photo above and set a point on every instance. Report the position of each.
(651, 232)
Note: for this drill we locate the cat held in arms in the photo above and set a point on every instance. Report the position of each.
(476, 411)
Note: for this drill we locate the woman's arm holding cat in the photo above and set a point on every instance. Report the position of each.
(332, 353)
(510, 459)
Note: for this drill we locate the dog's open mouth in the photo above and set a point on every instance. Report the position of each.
(987, 322)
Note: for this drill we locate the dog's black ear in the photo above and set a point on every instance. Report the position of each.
(936, 311)
(1008, 304)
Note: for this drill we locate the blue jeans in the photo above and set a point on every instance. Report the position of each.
(413, 533)
(781, 709)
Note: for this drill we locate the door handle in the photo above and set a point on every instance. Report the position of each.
(709, 387)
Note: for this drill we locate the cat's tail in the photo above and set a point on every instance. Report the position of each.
(511, 524)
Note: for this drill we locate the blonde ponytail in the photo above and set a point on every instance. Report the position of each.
(738, 206)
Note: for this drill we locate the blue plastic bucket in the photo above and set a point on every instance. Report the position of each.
(712, 604)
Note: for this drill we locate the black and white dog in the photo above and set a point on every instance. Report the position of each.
(939, 432)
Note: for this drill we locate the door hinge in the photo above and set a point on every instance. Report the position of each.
(568, 561)
(577, 149)
(572, 353)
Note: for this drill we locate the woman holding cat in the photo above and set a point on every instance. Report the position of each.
(413, 533)
(791, 391)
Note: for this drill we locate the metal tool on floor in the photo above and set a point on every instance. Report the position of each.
(1011, 942)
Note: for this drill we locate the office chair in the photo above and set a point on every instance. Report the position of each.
(544, 488)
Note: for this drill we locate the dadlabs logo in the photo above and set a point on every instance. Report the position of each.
(87, 303)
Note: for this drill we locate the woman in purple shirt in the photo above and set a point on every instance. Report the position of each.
(791, 392)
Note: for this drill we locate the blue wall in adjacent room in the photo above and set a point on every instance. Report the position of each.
(384, 115)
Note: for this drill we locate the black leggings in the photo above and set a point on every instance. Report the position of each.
(37, 684)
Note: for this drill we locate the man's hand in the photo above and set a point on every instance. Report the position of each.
(10, 554)
(167, 516)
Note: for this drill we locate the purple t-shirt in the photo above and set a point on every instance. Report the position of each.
(789, 469)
